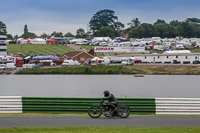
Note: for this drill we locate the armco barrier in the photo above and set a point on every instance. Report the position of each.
(18, 104)
(185, 106)
(10, 104)
(80, 105)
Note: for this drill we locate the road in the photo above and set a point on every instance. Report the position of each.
(84, 121)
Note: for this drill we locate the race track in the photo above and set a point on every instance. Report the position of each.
(84, 121)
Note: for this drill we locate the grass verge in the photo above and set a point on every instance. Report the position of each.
(101, 130)
(138, 69)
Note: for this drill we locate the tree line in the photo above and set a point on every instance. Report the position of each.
(105, 23)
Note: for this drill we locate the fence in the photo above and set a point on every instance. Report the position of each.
(80, 105)
(185, 106)
(18, 104)
(10, 104)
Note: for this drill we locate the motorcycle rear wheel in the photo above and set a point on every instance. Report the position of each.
(95, 111)
(123, 111)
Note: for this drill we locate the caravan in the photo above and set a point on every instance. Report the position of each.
(70, 63)
(128, 61)
(97, 61)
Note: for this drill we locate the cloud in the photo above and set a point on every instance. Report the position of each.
(69, 15)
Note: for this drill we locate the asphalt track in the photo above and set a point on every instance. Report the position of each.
(84, 121)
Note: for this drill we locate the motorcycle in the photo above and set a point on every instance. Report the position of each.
(95, 111)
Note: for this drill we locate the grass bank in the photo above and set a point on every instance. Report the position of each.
(137, 69)
(37, 49)
(101, 130)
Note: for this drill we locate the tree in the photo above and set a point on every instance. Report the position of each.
(161, 30)
(160, 21)
(104, 18)
(2, 28)
(25, 29)
(27, 34)
(44, 35)
(68, 34)
(134, 22)
(9, 37)
(16, 37)
(137, 32)
(194, 20)
(105, 32)
(57, 34)
(148, 29)
(80, 33)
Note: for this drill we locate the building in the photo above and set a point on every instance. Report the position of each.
(182, 58)
(77, 55)
(3, 47)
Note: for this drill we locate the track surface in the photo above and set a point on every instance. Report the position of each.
(133, 121)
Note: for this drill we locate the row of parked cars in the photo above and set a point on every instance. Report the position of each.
(7, 66)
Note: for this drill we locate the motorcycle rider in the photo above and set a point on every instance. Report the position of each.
(112, 101)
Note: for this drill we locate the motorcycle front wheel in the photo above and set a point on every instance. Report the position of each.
(95, 111)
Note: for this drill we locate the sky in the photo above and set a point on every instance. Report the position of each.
(46, 16)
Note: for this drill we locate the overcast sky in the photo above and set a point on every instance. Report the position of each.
(46, 16)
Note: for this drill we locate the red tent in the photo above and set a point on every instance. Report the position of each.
(52, 41)
(154, 42)
(27, 40)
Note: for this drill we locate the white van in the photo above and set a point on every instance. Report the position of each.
(10, 66)
(70, 63)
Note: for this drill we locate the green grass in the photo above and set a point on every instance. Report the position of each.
(155, 51)
(100, 130)
(88, 47)
(138, 69)
(38, 49)
(196, 50)
(78, 70)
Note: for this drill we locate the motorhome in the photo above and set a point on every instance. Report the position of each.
(70, 63)
(97, 61)
(128, 61)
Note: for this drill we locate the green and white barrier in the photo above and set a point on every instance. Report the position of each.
(80, 105)
(18, 104)
(10, 104)
(185, 106)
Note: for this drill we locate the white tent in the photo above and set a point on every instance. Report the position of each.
(21, 40)
(37, 41)
(178, 52)
(101, 39)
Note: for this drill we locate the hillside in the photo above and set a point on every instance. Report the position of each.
(38, 49)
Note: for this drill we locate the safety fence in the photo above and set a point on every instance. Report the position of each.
(18, 104)
(185, 106)
(10, 104)
(81, 105)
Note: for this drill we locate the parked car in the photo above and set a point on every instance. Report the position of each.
(3, 66)
(103, 44)
(10, 66)
(29, 66)
(180, 46)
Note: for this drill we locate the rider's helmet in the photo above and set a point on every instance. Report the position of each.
(106, 93)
